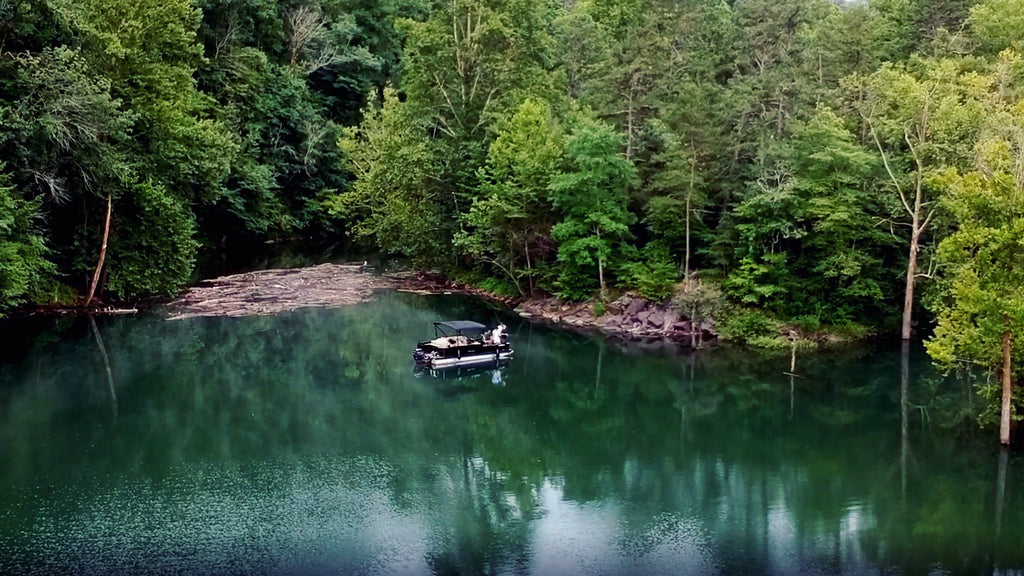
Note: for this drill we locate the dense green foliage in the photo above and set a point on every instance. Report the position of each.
(796, 154)
(786, 150)
(982, 297)
(24, 270)
(203, 122)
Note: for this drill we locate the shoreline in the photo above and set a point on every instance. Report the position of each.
(628, 318)
(264, 292)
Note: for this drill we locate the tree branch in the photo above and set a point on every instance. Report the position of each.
(885, 162)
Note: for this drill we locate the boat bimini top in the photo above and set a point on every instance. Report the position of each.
(457, 327)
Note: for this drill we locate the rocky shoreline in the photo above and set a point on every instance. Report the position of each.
(628, 318)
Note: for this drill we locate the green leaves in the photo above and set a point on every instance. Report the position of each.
(143, 263)
(511, 214)
(997, 24)
(473, 62)
(982, 278)
(591, 195)
(397, 200)
(808, 241)
(25, 272)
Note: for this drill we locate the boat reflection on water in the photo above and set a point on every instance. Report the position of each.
(493, 371)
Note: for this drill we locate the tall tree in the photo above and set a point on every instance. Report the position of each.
(590, 194)
(981, 319)
(473, 61)
(509, 223)
(469, 65)
(922, 118)
(678, 193)
(685, 150)
(398, 199)
(808, 244)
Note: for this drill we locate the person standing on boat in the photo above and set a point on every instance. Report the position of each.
(498, 335)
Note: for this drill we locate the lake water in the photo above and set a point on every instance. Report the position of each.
(306, 444)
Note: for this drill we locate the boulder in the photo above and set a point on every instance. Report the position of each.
(671, 317)
(656, 319)
(635, 306)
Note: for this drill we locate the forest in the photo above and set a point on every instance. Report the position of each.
(850, 166)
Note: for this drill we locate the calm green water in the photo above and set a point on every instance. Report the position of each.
(305, 444)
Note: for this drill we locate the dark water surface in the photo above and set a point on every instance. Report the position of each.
(305, 444)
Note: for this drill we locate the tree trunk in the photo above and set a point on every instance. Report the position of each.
(103, 254)
(686, 257)
(908, 296)
(689, 204)
(529, 267)
(904, 416)
(1007, 409)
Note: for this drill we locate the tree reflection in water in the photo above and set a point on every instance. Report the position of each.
(306, 443)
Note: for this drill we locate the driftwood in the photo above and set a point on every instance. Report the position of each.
(274, 291)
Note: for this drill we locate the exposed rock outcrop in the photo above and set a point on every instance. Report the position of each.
(628, 317)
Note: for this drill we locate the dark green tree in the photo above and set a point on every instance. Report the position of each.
(25, 272)
(398, 200)
(809, 244)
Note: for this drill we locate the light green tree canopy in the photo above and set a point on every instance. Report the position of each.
(512, 211)
(590, 194)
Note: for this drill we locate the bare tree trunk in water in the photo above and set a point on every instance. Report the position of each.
(103, 254)
(904, 400)
(792, 378)
(1004, 454)
(106, 363)
(908, 295)
(1005, 414)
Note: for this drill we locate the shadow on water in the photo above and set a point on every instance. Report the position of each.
(306, 443)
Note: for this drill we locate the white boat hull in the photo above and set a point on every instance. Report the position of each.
(484, 358)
